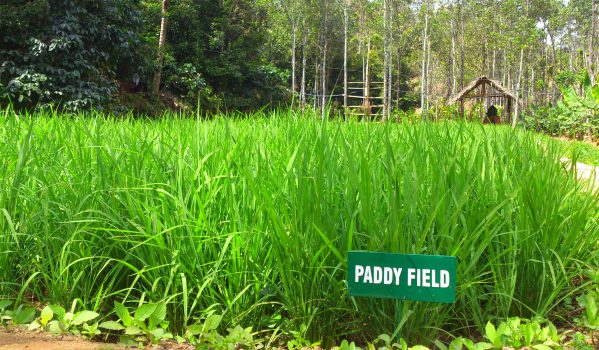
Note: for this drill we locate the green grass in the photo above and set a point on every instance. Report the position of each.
(583, 152)
(252, 218)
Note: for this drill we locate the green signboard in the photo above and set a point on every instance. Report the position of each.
(402, 276)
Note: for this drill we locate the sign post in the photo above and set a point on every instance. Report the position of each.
(401, 276)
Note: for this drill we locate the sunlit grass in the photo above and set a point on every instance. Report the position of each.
(252, 217)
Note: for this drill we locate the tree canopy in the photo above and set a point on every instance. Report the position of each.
(248, 54)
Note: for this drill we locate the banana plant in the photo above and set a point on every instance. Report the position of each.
(580, 112)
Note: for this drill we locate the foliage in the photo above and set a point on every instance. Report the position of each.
(56, 320)
(515, 333)
(147, 322)
(67, 53)
(589, 301)
(251, 219)
(215, 55)
(574, 116)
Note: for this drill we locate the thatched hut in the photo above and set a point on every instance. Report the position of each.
(490, 92)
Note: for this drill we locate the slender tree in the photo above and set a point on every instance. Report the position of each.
(385, 58)
(591, 40)
(161, 43)
(462, 47)
(345, 44)
(424, 39)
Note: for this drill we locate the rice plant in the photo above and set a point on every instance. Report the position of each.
(252, 218)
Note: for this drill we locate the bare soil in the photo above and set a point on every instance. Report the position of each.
(21, 339)
(17, 339)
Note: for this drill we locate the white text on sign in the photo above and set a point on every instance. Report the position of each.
(392, 275)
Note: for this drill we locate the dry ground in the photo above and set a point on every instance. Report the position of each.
(16, 339)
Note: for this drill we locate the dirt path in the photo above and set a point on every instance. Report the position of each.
(15, 339)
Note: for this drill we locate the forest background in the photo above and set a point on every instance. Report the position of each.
(224, 55)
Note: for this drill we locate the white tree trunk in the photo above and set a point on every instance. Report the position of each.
(591, 40)
(385, 59)
(428, 70)
(462, 45)
(517, 92)
(303, 86)
(345, 39)
(390, 62)
(161, 43)
(453, 56)
(293, 58)
(422, 78)
(324, 78)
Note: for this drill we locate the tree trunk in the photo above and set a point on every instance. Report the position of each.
(293, 58)
(515, 120)
(591, 40)
(422, 81)
(398, 83)
(462, 48)
(493, 67)
(453, 56)
(324, 77)
(316, 99)
(553, 86)
(161, 43)
(345, 30)
(303, 87)
(428, 80)
(385, 59)
(325, 44)
(367, 84)
(390, 63)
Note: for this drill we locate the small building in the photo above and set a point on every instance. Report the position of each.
(491, 93)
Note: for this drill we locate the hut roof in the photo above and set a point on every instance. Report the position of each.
(478, 82)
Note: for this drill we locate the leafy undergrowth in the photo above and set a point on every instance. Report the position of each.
(251, 220)
(148, 326)
(583, 152)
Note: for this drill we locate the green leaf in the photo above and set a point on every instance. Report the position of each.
(385, 338)
(439, 344)
(83, 317)
(112, 325)
(54, 327)
(456, 344)
(159, 313)
(541, 347)
(144, 311)
(133, 330)
(24, 316)
(58, 311)
(127, 341)
(212, 322)
(46, 315)
(419, 347)
(4, 304)
(195, 329)
(491, 334)
(483, 346)
(123, 314)
(157, 333)
(595, 92)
